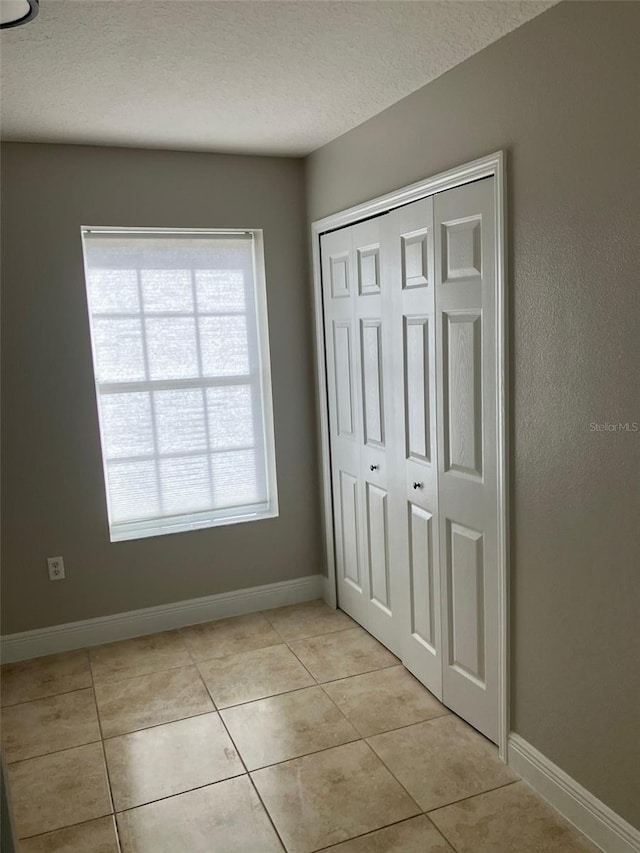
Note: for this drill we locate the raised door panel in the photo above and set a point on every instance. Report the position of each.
(462, 249)
(415, 258)
(462, 391)
(369, 269)
(372, 382)
(343, 379)
(417, 391)
(465, 601)
(350, 535)
(422, 606)
(340, 275)
(378, 546)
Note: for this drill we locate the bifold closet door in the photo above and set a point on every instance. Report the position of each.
(357, 330)
(409, 314)
(466, 365)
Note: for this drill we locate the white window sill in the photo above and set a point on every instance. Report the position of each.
(145, 530)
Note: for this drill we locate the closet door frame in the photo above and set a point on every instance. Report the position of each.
(490, 166)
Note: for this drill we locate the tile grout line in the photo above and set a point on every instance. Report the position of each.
(4, 708)
(53, 752)
(242, 761)
(441, 833)
(71, 826)
(157, 725)
(104, 755)
(342, 677)
(269, 696)
(380, 829)
(180, 793)
(266, 811)
(373, 752)
(101, 683)
(445, 713)
(304, 755)
(193, 664)
(454, 802)
(472, 797)
(302, 664)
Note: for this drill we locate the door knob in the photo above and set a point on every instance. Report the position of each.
(373, 467)
(417, 485)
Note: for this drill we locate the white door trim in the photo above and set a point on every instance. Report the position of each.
(490, 166)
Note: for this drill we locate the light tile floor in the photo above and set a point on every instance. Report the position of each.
(289, 730)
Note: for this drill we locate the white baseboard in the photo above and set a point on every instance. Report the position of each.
(587, 813)
(136, 623)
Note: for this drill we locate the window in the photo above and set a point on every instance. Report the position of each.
(181, 362)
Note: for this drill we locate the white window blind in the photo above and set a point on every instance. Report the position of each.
(180, 354)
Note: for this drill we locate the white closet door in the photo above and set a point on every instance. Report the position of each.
(361, 427)
(345, 425)
(374, 327)
(408, 253)
(467, 446)
(409, 300)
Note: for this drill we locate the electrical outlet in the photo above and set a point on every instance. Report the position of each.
(56, 568)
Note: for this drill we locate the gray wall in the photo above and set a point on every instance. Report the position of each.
(53, 493)
(562, 96)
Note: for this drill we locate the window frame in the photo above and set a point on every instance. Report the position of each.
(159, 526)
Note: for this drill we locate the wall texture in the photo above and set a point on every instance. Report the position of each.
(561, 95)
(53, 498)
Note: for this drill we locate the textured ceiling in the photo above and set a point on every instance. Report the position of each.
(264, 77)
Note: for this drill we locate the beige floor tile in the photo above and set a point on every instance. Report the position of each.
(287, 726)
(307, 620)
(49, 725)
(48, 676)
(137, 703)
(169, 759)
(384, 700)
(341, 654)
(331, 796)
(509, 820)
(417, 835)
(441, 761)
(226, 817)
(139, 656)
(254, 675)
(58, 790)
(230, 636)
(96, 836)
